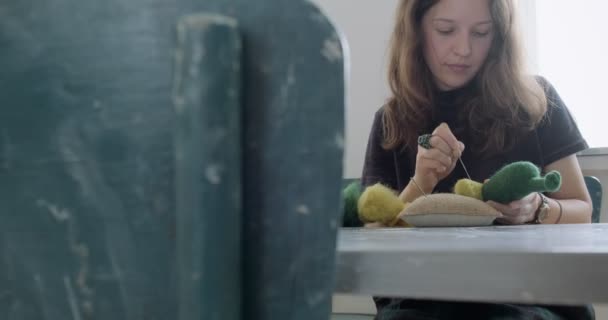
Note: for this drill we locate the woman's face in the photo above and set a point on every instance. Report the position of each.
(457, 38)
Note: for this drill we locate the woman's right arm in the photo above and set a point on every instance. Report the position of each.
(379, 164)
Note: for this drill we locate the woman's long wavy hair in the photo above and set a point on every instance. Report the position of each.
(506, 103)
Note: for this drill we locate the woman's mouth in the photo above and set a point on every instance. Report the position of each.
(459, 68)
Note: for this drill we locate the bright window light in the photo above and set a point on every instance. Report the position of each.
(572, 53)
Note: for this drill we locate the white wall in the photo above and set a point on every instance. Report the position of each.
(572, 50)
(367, 26)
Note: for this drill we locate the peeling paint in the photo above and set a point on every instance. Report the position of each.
(71, 297)
(303, 210)
(60, 214)
(213, 174)
(339, 140)
(332, 50)
(316, 298)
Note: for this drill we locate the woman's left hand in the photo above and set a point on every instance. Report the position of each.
(518, 212)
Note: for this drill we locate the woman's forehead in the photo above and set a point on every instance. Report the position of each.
(471, 12)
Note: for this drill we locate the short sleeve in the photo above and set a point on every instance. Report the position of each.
(379, 164)
(558, 132)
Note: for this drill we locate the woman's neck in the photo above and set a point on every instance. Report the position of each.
(450, 96)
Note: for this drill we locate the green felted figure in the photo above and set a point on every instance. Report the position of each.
(350, 197)
(518, 180)
(512, 182)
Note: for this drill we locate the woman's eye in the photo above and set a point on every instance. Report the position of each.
(445, 31)
(480, 34)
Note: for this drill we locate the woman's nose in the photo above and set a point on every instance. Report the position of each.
(462, 47)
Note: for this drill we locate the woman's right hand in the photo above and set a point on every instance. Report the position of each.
(436, 163)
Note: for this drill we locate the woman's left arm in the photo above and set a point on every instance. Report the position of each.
(571, 204)
(573, 195)
(559, 141)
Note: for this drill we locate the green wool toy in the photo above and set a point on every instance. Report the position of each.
(517, 180)
(350, 198)
(513, 182)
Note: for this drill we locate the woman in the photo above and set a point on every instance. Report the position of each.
(459, 91)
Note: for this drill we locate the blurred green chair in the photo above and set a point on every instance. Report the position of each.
(595, 190)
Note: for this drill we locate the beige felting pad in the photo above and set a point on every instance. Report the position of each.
(449, 210)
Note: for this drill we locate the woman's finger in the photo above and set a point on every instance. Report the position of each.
(510, 220)
(436, 154)
(443, 131)
(517, 212)
(439, 143)
(504, 209)
(526, 206)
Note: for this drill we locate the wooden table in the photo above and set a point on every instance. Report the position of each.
(558, 264)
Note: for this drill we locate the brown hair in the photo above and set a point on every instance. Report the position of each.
(497, 112)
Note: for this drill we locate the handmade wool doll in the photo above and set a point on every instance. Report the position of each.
(379, 204)
(512, 182)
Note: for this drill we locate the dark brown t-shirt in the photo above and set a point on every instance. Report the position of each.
(556, 137)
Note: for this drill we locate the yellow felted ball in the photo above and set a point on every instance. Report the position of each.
(379, 204)
(469, 188)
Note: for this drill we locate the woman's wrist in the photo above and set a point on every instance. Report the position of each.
(538, 202)
(559, 209)
(415, 188)
(554, 211)
(423, 185)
